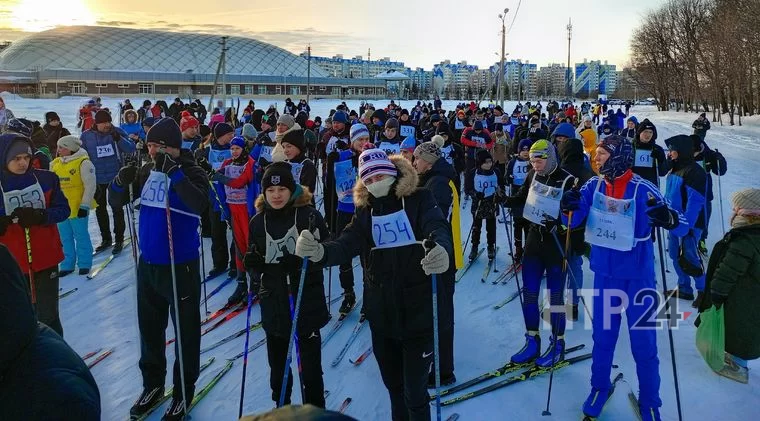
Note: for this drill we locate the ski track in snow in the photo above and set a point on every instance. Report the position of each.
(92, 317)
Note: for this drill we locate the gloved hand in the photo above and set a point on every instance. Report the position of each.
(660, 215)
(29, 217)
(436, 261)
(254, 260)
(5, 221)
(140, 145)
(221, 178)
(165, 163)
(308, 246)
(206, 166)
(83, 212)
(571, 200)
(551, 223)
(126, 175)
(718, 299)
(291, 261)
(658, 154)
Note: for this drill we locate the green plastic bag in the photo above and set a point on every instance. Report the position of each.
(711, 337)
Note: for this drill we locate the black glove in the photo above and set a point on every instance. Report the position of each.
(551, 224)
(29, 217)
(571, 200)
(206, 166)
(718, 299)
(254, 260)
(659, 213)
(5, 221)
(658, 154)
(291, 261)
(165, 163)
(126, 175)
(83, 213)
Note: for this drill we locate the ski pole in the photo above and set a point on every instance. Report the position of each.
(657, 172)
(429, 244)
(32, 289)
(467, 240)
(572, 277)
(203, 269)
(293, 329)
(132, 228)
(650, 202)
(245, 350)
(177, 327)
(512, 253)
(720, 199)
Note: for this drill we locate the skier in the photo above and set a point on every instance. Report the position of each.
(649, 158)
(685, 187)
(502, 145)
(281, 212)
(406, 127)
(407, 148)
(54, 130)
(517, 170)
(485, 185)
(240, 192)
(189, 126)
(285, 124)
(701, 125)
(172, 176)
(713, 162)
(438, 176)
(586, 132)
(631, 128)
(77, 177)
(390, 140)
(294, 148)
(732, 279)
(619, 219)
(33, 204)
(132, 127)
(540, 195)
(474, 139)
(397, 288)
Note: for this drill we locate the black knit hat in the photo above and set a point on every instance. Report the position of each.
(222, 129)
(295, 138)
(102, 116)
(482, 156)
(278, 174)
(165, 132)
(50, 116)
(205, 130)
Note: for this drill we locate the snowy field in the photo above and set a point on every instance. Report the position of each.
(102, 314)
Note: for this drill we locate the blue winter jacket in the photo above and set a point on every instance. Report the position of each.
(106, 167)
(686, 183)
(637, 263)
(134, 128)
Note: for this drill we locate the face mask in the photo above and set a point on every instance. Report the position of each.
(381, 188)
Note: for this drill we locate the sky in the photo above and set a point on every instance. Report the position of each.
(418, 33)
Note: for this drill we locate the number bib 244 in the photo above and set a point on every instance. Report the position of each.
(611, 222)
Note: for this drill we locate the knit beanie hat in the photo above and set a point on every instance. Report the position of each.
(429, 152)
(102, 116)
(478, 125)
(621, 156)
(524, 144)
(270, 120)
(17, 147)
(221, 129)
(166, 133)
(149, 121)
(70, 142)
(482, 156)
(18, 125)
(249, 132)
(204, 130)
(367, 116)
(408, 144)
(438, 140)
(287, 120)
(434, 118)
(278, 174)
(392, 123)
(50, 116)
(238, 141)
(746, 202)
(373, 162)
(340, 117)
(358, 131)
(295, 138)
(536, 133)
(545, 150)
(188, 121)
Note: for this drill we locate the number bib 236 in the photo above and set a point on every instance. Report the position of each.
(104, 150)
(393, 230)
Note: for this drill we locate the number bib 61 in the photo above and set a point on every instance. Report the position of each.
(393, 230)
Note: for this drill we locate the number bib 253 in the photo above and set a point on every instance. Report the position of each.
(28, 197)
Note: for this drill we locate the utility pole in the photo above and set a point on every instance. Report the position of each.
(222, 65)
(308, 72)
(500, 76)
(568, 74)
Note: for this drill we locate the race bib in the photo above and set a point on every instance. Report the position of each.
(296, 169)
(611, 222)
(235, 196)
(275, 246)
(390, 148)
(486, 184)
(28, 197)
(394, 230)
(103, 151)
(446, 154)
(331, 145)
(479, 140)
(542, 199)
(643, 158)
(458, 124)
(187, 144)
(345, 178)
(217, 156)
(155, 189)
(520, 172)
(407, 131)
(266, 153)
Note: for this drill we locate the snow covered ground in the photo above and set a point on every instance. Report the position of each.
(96, 316)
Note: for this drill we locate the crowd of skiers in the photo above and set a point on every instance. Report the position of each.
(386, 185)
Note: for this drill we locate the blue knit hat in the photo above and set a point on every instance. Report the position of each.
(524, 144)
(621, 156)
(238, 141)
(409, 144)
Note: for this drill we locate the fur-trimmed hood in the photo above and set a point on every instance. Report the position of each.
(406, 182)
(303, 200)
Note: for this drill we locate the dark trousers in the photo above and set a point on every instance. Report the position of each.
(311, 365)
(346, 269)
(404, 366)
(155, 300)
(490, 230)
(520, 227)
(46, 293)
(101, 212)
(221, 255)
(446, 325)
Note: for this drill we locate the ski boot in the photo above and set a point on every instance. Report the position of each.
(84, 271)
(491, 251)
(473, 252)
(118, 246)
(698, 301)
(62, 273)
(214, 272)
(147, 400)
(530, 350)
(595, 402)
(554, 354)
(240, 294)
(176, 410)
(349, 301)
(649, 414)
(105, 244)
(233, 273)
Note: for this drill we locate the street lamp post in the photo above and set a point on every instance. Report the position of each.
(500, 76)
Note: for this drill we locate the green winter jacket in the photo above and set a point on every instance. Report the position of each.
(734, 271)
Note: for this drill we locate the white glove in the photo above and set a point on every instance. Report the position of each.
(436, 261)
(308, 246)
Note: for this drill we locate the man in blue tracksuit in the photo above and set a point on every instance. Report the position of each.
(619, 209)
(686, 189)
(171, 175)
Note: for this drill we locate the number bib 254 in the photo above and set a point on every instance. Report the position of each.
(393, 230)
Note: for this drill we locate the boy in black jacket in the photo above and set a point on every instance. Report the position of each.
(484, 185)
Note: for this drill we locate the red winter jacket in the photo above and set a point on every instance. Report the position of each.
(472, 139)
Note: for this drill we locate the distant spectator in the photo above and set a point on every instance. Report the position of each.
(701, 125)
(5, 115)
(126, 105)
(144, 112)
(54, 130)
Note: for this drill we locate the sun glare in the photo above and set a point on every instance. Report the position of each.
(40, 15)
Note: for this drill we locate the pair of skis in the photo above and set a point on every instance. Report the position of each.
(505, 276)
(351, 339)
(100, 357)
(339, 323)
(105, 263)
(489, 266)
(467, 266)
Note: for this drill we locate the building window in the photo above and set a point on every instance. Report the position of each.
(336, 90)
(234, 89)
(311, 88)
(219, 89)
(249, 89)
(77, 88)
(295, 90)
(123, 85)
(101, 85)
(322, 88)
(262, 90)
(279, 90)
(361, 91)
(145, 88)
